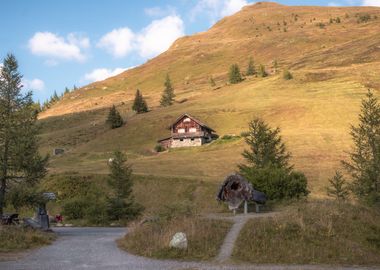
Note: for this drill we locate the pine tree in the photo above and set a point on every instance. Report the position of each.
(234, 74)
(67, 90)
(251, 68)
(364, 163)
(338, 188)
(287, 75)
(20, 162)
(168, 96)
(275, 66)
(114, 119)
(139, 104)
(212, 82)
(267, 164)
(262, 72)
(121, 204)
(266, 147)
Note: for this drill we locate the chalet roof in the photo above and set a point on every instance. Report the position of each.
(194, 119)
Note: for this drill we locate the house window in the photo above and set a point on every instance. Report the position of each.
(181, 140)
(192, 139)
(192, 130)
(181, 130)
(186, 119)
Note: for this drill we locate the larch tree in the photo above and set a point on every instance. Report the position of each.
(20, 162)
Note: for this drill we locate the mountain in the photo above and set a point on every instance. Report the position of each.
(332, 52)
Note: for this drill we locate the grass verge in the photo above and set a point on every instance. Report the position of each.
(313, 233)
(18, 239)
(152, 239)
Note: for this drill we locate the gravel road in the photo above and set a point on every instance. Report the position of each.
(95, 248)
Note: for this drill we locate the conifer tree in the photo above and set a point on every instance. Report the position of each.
(338, 188)
(212, 82)
(67, 90)
(121, 204)
(168, 96)
(266, 147)
(20, 161)
(364, 161)
(267, 164)
(139, 104)
(262, 72)
(287, 75)
(234, 74)
(114, 119)
(275, 66)
(251, 68)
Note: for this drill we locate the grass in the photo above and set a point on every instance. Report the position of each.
(19, 239)
(152, 239)
(332, 69)
(157, 194)
(313, 233)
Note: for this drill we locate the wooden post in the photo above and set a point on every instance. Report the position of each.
(245, 207)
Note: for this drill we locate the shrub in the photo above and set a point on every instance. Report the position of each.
(159, 148)
(363, 18)
(262, 72)
(287, 75)
(75, 208)
(277, 183)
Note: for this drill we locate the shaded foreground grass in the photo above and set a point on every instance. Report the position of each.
(18, 239)
(205, 238)
(313, 233)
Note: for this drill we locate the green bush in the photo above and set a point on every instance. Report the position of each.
(75, 208)
(287, 75)
(159, 148)
(277, 183)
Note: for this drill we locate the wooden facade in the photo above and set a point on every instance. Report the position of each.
(187, 131)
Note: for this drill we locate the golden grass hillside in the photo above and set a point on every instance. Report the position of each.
(266, 31)
(332, 66)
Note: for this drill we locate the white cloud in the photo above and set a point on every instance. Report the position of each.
(232, 6)
(375, 3)
(56, 47)
(159, 35)
(215, 9)
(150, 41)
(35, 84)
(101, 74)
(118, 42)
(159, 11)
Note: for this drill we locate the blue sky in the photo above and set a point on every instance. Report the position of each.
(75, 42)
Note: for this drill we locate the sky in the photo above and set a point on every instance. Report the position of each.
(64, 43)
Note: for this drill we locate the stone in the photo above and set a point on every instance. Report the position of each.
(179, 240)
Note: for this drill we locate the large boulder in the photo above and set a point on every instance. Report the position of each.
(179, 240)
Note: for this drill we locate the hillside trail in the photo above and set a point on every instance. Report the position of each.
(238, 223)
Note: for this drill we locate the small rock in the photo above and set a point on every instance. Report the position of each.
(179, 240)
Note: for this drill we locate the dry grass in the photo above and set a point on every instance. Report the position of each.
(332, 68)
(313, 233)
(152, 239)
(17, 239)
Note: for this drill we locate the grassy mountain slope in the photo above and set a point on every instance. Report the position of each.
(333, 65)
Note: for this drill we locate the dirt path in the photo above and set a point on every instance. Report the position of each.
(238, 224)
